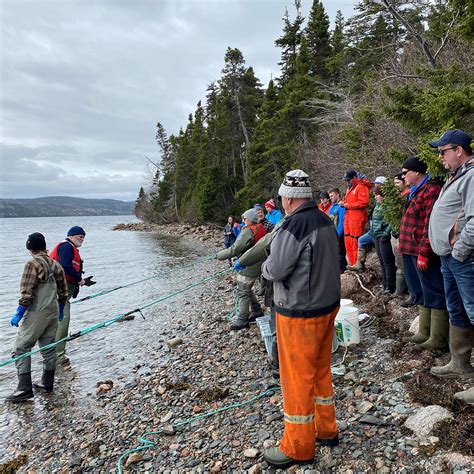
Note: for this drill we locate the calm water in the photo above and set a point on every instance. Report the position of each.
(114, 258)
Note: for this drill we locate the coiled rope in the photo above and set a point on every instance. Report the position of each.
(147, 443)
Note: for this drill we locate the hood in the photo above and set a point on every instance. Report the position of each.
(362, 182)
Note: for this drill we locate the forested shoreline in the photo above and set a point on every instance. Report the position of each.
(365, 94)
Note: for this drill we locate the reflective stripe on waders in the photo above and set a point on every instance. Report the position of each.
(324, 400)
(298, 419)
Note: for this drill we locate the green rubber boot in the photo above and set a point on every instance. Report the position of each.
(467, 396)
(460, 345)
(438, 332)
(361, 258)
(424, 325)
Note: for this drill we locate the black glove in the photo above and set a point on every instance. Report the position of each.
(88, 281)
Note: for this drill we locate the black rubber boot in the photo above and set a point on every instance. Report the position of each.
(47, 381)
(328, 441)
(410, 301)
(24, 390)
(275, 364)
(401, 285)
(239, 324)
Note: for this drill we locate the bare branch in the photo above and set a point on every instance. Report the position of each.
(403, 76)
(445, 38)
(411, 30)
(156, 165)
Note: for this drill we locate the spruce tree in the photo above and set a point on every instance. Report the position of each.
(318, 41)
(289, 42)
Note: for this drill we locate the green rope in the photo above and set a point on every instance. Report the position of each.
(108, 322)
(157, 275)
(147, 444)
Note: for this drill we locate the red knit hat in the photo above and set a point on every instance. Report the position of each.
(270, 203)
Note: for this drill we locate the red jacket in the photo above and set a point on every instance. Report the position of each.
(325, 208)
(258, 231)
(414, 238)
(76, 262)
(357, 199)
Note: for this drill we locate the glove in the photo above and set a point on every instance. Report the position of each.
(238, 267)
(422, 263)
(61, 311)
(20, 311)
(89, 282)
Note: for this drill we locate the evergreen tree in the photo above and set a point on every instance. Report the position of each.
(142, 206)
(318, 41)
(335, 64)
(289, 43)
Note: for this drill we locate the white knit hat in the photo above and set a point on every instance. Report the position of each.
(296, 185)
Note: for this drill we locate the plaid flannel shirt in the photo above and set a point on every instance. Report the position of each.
(414, 238)
(36, 270)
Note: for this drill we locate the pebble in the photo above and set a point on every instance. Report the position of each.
(133, 458)
(251, 453)
(172, 343)
(91, 433)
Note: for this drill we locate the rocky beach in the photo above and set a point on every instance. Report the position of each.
(207, 399)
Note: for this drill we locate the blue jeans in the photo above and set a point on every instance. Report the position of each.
(365, 240)
(459, 288)
(427, 287)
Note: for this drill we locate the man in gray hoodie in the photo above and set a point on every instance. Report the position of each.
(451, 233)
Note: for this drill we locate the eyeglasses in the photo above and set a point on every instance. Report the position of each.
(403, 173)
(442, 152)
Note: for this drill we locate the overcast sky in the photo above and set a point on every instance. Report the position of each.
(83, 83)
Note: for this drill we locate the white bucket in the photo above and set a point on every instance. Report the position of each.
(347, 326)
(345, 302)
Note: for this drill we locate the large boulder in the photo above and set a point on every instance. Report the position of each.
(424, 420)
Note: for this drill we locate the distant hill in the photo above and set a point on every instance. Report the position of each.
(61, 206)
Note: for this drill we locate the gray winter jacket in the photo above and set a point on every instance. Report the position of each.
(304, 264)
(451, 228)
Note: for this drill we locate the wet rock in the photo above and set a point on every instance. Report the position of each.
(424, 420)
(172, 343)
(133, 458)
(103, 387)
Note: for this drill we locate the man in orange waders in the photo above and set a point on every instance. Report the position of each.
(304, 268)
(356, 201)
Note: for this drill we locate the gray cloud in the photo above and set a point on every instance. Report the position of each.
(84, 82)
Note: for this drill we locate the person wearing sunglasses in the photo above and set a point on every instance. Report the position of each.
(451, 234)
(421, 265)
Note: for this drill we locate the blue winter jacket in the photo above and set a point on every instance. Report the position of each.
(274, 217)
(336, 213)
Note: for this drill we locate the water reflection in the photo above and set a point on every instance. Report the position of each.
(114, 258)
